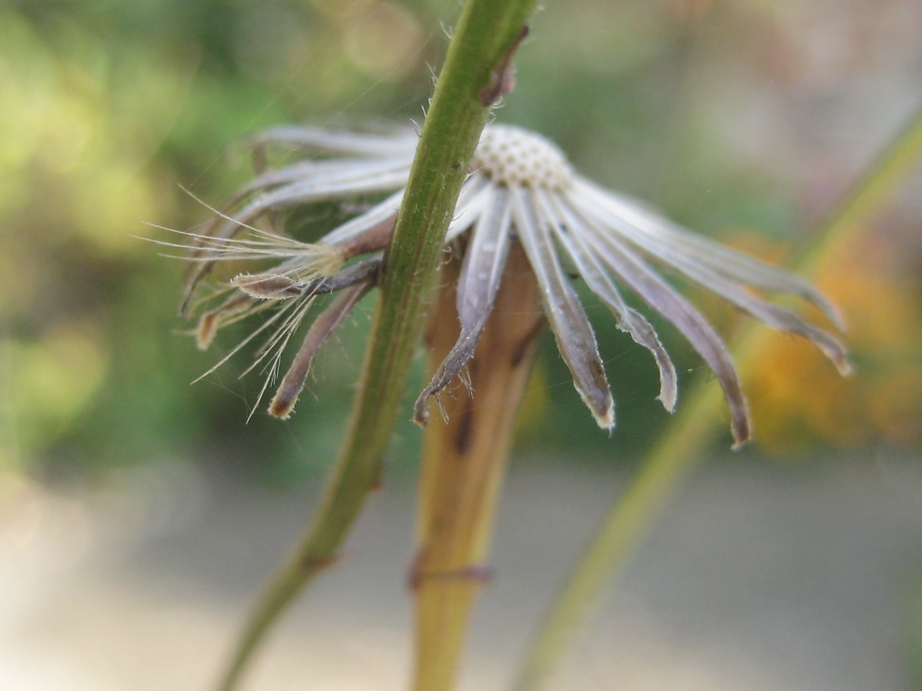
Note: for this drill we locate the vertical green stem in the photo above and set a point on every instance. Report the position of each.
(676, 454)
(486, 31)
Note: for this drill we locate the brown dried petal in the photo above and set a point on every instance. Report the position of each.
(324, 325)
(572, 330)
(484, 262)
(598, 281)
(664, 299)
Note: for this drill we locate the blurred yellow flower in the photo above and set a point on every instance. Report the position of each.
(798, 400)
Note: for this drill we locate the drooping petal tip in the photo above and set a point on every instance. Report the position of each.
(605, 417)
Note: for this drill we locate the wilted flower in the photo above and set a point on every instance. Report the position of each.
(520, 188)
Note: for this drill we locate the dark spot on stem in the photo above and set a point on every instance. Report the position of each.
(470, 574)
(311, 564)
(519, 353)
(464, 435)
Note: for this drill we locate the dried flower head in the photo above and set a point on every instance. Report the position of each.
(520, 188)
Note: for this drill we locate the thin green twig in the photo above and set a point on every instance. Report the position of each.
(676, 454)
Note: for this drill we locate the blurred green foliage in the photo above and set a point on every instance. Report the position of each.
(111, 110)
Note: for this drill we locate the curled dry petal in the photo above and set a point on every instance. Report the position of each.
(575, 338)
(664, 299)
(666, 241)
(237, 305)
(327, 322)
(267, 286)
(771, 314)
(598, 281)
(481, 274)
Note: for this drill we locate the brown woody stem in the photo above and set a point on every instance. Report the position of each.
(464, 459)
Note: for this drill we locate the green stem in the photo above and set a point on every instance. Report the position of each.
(677, 452)
(487, 30)
(873, 190)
